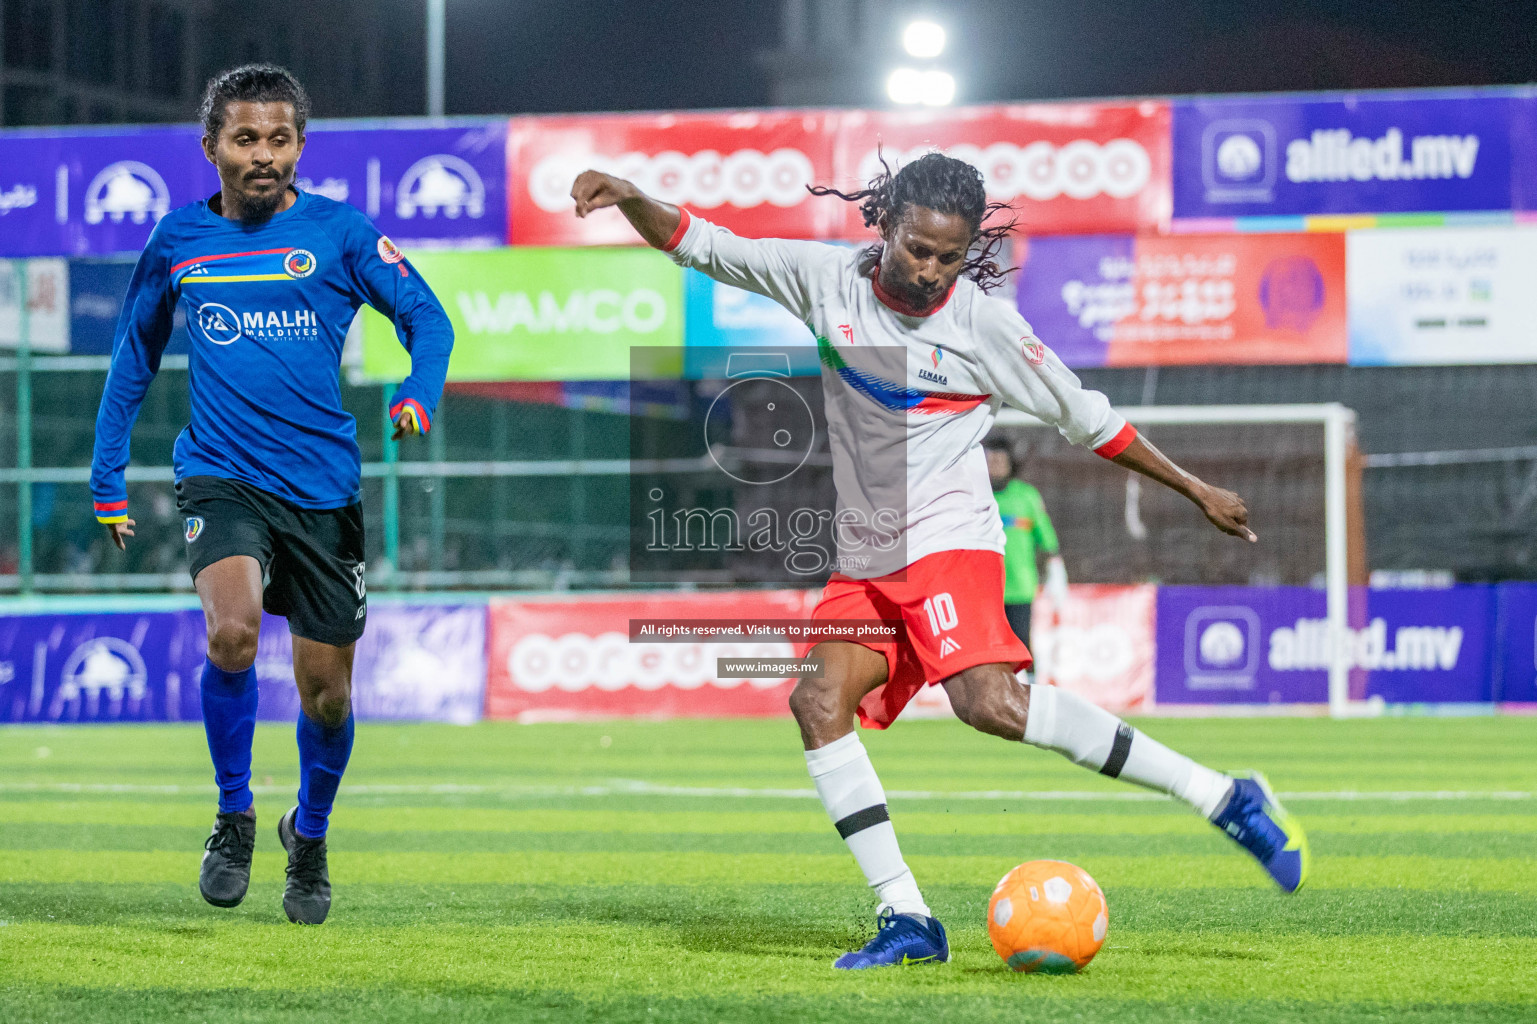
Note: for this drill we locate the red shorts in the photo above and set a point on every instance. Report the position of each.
(952, 605)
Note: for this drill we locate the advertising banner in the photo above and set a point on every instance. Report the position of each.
(1523, 112)
(719, 319)
(746, 170)
(423, 662)
(1272, 645)
(1117, 300)
(1099, 644)
(1442, 295)
(1064, 167)
(419, 662)
(420, 186)
(96, 193)
(47, 291)
(1516, 652)
(128, 667)
(1298, 155)
(543, 314)
(561, 659)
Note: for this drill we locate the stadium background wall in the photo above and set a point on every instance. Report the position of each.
(455, 658)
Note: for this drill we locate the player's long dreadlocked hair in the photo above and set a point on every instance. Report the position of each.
(941, 183)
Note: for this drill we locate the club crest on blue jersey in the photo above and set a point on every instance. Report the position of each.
(194, 528)
(299, 263)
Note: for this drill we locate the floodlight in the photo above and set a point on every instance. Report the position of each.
(938, 88)
(905, 85)
(923, 39)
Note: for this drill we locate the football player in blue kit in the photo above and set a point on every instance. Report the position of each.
(268, 472)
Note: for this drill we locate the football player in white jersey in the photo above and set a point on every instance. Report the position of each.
(893, 321)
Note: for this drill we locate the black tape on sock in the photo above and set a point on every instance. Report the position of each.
(1119, 750)
(861, 820)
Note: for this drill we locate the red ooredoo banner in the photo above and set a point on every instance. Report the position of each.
(746, 170)
(1065, 167)
(1099, 644)
(559, 659)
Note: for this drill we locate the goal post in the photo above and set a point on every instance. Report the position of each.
(1336, 424)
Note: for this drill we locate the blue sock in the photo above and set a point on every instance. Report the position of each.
(229, 719)
(323, 757)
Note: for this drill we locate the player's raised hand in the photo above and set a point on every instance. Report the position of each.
(1226, 511)
(594, 190)
(654, 221)
(118, 531)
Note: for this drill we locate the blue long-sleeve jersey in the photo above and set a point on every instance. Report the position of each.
(268, 307)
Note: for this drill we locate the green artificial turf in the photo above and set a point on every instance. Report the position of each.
(683, 871)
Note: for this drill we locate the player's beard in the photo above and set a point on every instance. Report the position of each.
(261, 206)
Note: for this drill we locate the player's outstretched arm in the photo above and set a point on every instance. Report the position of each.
(142, 334)
(655, 221)
(1224, 508)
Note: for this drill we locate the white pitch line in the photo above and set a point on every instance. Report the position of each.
(639, 788)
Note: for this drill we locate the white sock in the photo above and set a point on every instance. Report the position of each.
(855, 802)
(1091, 736)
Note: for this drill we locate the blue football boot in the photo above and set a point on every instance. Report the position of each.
(1257, 822)
(900, 939)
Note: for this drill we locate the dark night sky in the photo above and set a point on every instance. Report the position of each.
(511, 57)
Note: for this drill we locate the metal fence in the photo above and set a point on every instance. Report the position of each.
(499, 495)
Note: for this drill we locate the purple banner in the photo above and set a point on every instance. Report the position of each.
(414, 662)
(98, 193)
(1524, 144)
(1073, 290)
(1253, 645)
(1516, 657)
(140, 667)
(1246, 156)
(420, 186)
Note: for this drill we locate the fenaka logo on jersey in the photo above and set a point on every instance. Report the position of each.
(299, 263)
(223, 326)
(931, 375)
(194, 528)
(388, 252)
(441, 184)
(126, 189)
(707, 179)
(1032, 349)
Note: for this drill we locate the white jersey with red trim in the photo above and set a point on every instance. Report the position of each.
(908, 397)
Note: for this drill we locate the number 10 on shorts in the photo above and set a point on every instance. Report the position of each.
(941, 611)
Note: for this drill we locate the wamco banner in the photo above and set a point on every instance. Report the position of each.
(543, 314)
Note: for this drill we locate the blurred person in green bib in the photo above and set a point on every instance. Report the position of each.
(1028, 534)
